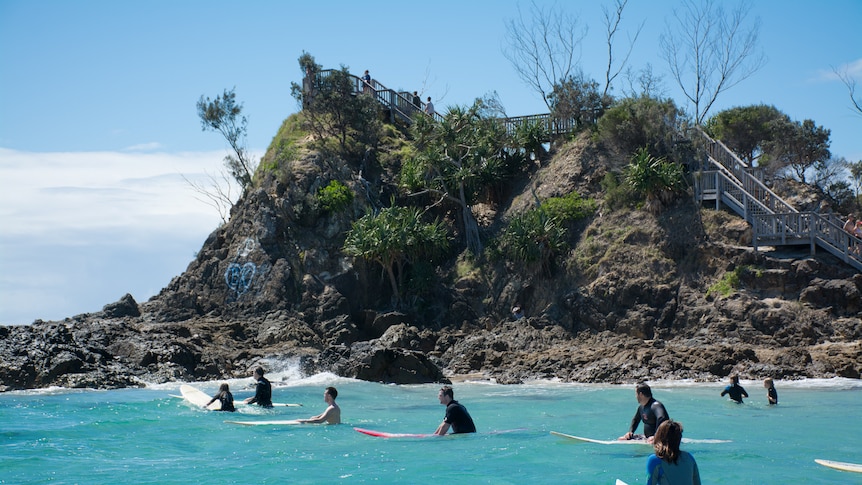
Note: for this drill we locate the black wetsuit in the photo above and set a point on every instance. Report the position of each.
(458, 418)
(226, 400)
(736, 392)
(652, 414)
(262, 394)
(772, 395)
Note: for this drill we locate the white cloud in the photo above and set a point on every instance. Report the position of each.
(145, 147)
(82, 229)
(46, 192)
(852, 69)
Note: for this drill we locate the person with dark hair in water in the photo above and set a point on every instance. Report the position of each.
(332, 414)
(225, 397)
(735, 391)
(650, 411)
(263, 390)
(669, 464)
(456, 414)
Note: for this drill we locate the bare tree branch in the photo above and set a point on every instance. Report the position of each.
(848, 81)
(542, 47)
(612, 22)
(710, 51)
(215, 193)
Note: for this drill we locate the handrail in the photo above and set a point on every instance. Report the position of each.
(397, 102)
(723, 157)
(771, 228)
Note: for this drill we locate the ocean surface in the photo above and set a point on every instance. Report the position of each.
(64, 436)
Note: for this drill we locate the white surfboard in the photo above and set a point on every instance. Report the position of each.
(629, 442)
(277, 422)
(620, 482)
(198, 397)
(840, 465)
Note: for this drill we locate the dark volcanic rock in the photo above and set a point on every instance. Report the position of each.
(636, 297)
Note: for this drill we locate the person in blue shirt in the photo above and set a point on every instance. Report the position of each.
(734, 390)
(669, 464)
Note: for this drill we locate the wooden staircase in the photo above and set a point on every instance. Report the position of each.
(774, 222)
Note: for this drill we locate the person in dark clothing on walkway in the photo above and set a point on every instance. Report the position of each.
(457, 416)
(263, 390)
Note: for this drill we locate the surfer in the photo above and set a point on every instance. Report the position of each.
(735, 391)
(225, 397)
(771, 393)
(456, 414)
(650, 411)
(669, 464)
(263, 390)
(332, 414)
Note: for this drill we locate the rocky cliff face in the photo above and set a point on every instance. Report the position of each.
(631, 300)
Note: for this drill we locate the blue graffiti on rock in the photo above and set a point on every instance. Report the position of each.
(240, 277)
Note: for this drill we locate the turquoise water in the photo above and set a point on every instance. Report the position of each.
(147, 436)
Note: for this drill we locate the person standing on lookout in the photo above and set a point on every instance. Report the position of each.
(263, 390)
(650, 411)
(456, 414)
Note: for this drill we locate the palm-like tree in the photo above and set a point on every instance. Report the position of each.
(394, 237)
(659, 180)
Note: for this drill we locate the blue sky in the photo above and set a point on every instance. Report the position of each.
(98, 124)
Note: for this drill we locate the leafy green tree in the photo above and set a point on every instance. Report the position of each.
(223, 114)
(393, 238)
(855, 170)
(578, 98)
(457, 160)
(797, 146)
(745, 129)
(332, 108)
(643, 122)
(656, 178)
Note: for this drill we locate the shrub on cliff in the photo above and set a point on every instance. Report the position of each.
(394, 238)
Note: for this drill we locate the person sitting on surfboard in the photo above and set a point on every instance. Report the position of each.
(263, 390)
(225, 397)
(332, 414)
(736, 391)
(669, 464)
(456, 414)
(650, 411)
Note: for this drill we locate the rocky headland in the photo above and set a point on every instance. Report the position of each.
(633, 299)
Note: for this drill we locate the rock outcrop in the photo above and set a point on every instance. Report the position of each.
(633, 299)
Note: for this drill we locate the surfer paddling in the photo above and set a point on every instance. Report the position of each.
(332, 414)
(650, 411)
(263, 390)
(457, 416)
(225, 397)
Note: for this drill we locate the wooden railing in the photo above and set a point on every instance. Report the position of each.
(399, 104)
(770, 228)
(551, 126)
